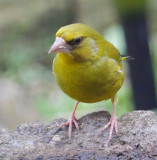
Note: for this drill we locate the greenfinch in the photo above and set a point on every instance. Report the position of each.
(87, 68)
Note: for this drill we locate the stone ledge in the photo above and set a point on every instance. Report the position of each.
(136, 139)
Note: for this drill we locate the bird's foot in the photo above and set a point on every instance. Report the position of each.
(113, 125)
(69, 123)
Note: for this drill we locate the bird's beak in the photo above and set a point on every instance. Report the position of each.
(60, 46)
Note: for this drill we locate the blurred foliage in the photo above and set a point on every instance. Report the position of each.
(27, 30)
(131, 8)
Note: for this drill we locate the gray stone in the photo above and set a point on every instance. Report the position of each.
(136, 139)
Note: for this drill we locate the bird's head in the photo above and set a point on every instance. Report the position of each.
(79, 40)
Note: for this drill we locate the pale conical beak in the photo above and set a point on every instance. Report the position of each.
(60, 46)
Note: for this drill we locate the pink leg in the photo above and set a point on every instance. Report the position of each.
(71, 120)
(113, 121)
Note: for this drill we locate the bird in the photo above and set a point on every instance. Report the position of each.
(88, 69)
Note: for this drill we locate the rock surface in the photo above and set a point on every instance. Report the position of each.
(136, 139)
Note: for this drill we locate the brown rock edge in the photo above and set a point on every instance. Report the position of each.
(136, 139)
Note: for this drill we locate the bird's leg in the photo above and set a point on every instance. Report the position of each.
(113, 121)
(71, 120)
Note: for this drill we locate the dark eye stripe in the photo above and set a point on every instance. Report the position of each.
(76, 41)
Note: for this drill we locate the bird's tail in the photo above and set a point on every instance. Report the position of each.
(126, 57)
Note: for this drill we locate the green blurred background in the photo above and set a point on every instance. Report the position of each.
(28, 90)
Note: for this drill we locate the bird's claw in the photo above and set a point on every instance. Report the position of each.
(113, 125)
(69, 123)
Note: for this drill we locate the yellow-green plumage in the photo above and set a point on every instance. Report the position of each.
(92, 72)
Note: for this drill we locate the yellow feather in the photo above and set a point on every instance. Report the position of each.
(92, 72)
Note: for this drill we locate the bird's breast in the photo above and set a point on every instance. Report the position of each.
(89, 82)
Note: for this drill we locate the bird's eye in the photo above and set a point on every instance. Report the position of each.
(77, 41)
